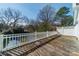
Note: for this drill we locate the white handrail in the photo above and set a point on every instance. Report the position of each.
(14, 40)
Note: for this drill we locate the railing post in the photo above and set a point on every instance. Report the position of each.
(62, 30)
(47, 33)
(1, 42)
(35, 35)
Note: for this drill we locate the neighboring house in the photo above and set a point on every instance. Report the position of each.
(72, 30)
(76, 18)
(57, 23)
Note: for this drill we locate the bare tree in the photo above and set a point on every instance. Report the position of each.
(11, 17)
(46, 13)
(33, 25)
(46, 16)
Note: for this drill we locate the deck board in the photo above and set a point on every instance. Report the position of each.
(30, 47)
(62, 46)
(59, 46)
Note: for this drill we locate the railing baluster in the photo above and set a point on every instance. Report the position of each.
(1, 42)
(6, 41)
(16, 39)
(22, 38)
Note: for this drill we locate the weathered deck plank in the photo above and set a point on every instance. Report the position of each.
(62, 46)
(28, 48)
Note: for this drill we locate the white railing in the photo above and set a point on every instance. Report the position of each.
(14, 40)
(69, 30)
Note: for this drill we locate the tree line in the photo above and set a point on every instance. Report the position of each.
(13, 21)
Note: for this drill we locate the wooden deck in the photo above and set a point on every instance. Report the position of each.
(28, 48)
(62, 46)
(53, 46)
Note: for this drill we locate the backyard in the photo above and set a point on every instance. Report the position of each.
(39, 30)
